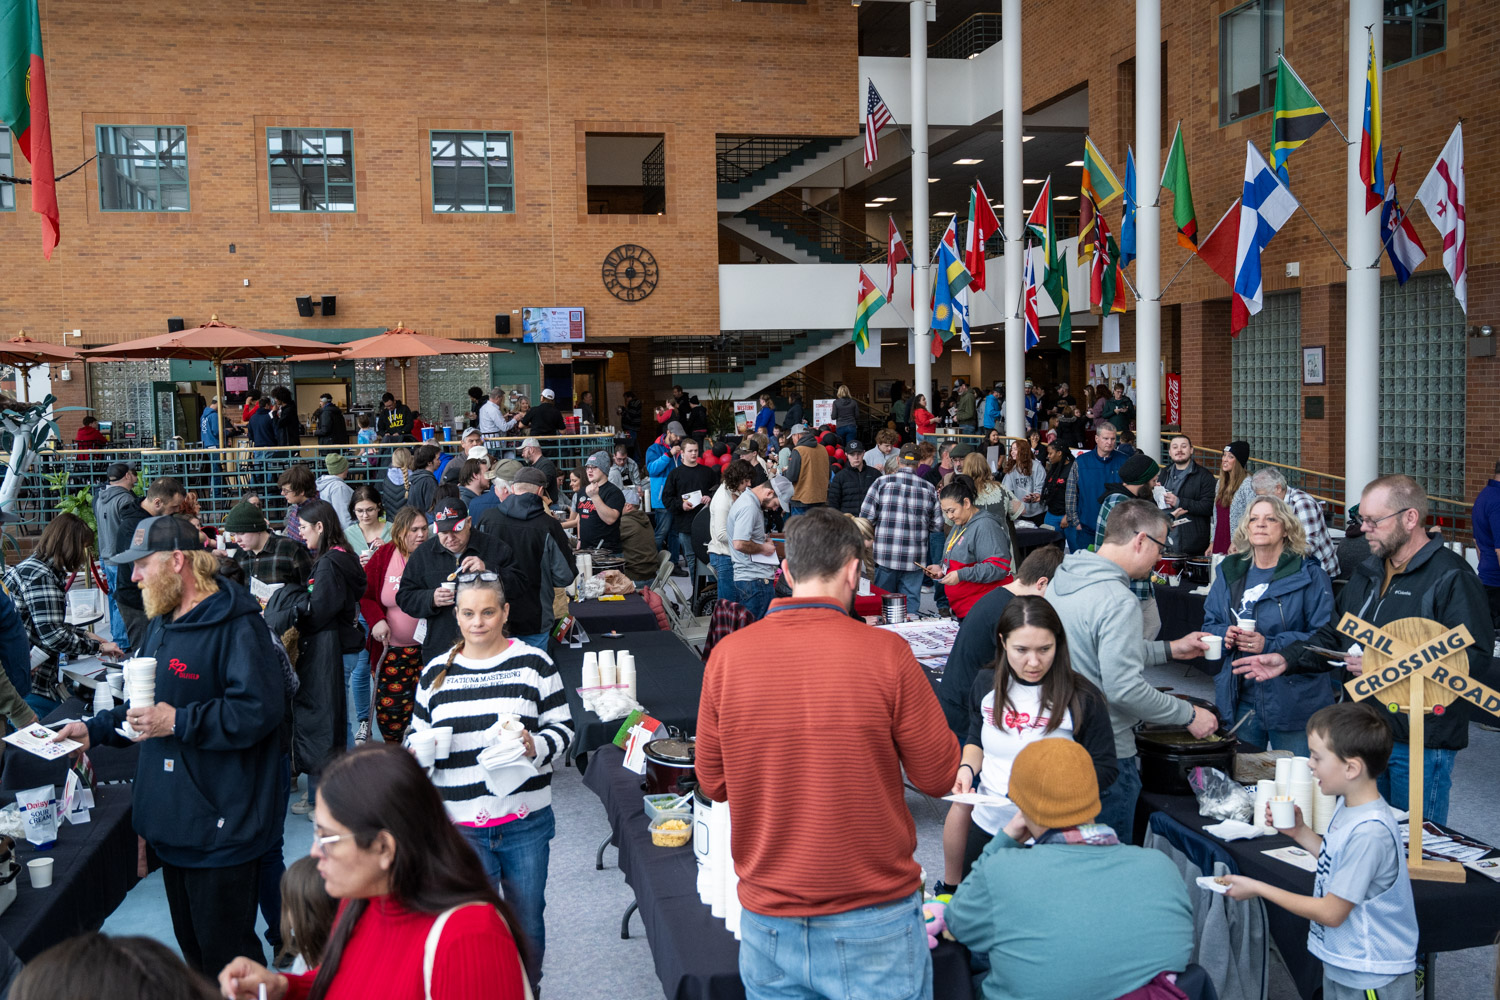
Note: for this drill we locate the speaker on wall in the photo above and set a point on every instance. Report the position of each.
(175, 324)
(502, 325)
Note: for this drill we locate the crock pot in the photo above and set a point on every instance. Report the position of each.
(669, 764)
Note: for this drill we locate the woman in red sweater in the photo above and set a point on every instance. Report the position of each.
(386, 850)
(922, 417)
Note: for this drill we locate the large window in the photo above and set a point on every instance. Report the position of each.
(311, 169)
(1249, 40)
(1423, 364)
(1414, 28)
(472, 172)
(1266, 368)
(142, 168)
(8, 168)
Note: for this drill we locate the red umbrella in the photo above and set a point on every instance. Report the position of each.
(23, 354)
(213, 341)
(404, 344)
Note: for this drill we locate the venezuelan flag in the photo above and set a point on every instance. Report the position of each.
(1371, 162)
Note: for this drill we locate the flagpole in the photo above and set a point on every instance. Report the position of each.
(1325, 235)
(1148, 355)
(1362, 291)
(1331, 120)
(1175, 274)
(920, 236)
(1014, 194)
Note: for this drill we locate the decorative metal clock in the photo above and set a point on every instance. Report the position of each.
(630, 272)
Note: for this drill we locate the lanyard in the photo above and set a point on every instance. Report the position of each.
(953, 538)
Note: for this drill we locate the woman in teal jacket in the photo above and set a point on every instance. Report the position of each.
(1269, 578)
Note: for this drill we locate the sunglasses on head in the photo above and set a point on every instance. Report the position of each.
(484, 577)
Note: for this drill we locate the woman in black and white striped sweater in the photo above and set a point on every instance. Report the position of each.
(484, 677)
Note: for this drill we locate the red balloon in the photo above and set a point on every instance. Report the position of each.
(830, 449)
(709, 459)
(839, 454)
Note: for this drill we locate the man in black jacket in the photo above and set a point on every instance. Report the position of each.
(423, 485)
(207, 782)
(690, 478)
(543, 552)
(455, 548)
(846, 492)
(288, 426)
(1408, 575)
(331, 426)
(1190, 497)
(543, 419)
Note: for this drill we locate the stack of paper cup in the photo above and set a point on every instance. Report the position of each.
(1301, 789)
(140, 681)
(625, 665)
(585, 566)
(1265, 791)
(590, 670)
(1323, 806)
(1284, 775)
(608, 673)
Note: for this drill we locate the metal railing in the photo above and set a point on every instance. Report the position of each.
(722, 354)
(971, 37)
(654, 179)
(1449, 516)
(219, 477)
(737, 157)
(821, 228)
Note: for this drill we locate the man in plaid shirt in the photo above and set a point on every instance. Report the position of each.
(904, 510)
(1269, 482)
(263, 554)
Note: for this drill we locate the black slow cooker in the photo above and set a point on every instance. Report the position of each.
(669, 767)
(1168, 754)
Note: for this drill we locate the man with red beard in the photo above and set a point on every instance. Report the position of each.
(205, 789)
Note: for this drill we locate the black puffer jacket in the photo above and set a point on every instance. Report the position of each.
(1439, 585)
(326, 623)
(846, 492)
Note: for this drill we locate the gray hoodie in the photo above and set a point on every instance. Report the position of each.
(1102, 618)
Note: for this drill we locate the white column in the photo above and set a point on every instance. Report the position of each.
(1015, 215)
(1362, 306)
(1147, 226)
(920, 219)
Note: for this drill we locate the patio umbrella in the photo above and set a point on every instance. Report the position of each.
(213, 341)
(402, 344)
(23, 354)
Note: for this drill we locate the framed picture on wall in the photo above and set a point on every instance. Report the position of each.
(883, 388)
(1312, 366)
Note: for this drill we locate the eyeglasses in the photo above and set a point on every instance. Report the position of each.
(486, 577)
(1366, 523)
(1162, 543)
(321, 844)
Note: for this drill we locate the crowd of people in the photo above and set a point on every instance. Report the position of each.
(313, 648)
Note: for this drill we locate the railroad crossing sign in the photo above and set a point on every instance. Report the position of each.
(1416, 666)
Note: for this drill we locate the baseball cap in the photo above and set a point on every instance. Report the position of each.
(159, 534)
(451, 515)
(632, 495)
(118, 470)
(676, 429)
(854, 448)
(480, 452)
(531, 443)
(506, 470)
(599, 460)
(548, 394)
(909, 454)
(530, 477)
(326, 398)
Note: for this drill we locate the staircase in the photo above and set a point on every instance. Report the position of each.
(744, 382)
(799, 233)
(752, 168)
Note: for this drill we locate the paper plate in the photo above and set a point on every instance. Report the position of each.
(1211, 884)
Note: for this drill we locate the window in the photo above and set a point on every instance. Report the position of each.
(1413, 29)
(1423, 387)
(626, 174)
(472, 172)
(8, 168)
(1249, 40)
(142, 168)
(311, 169)
(1266, 373)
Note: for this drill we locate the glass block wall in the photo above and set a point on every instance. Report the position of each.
(443, 384)
(1266, 369)
(121, 392)
(369, 384)
(1423, 363)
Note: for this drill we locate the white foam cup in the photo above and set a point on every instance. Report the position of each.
(443, 737)
(423, 744)
(1213, 647)
(1245, 624)
(511, 729)
(40, 870)
(1283, 812)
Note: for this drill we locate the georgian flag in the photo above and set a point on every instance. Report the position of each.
(1442, 194)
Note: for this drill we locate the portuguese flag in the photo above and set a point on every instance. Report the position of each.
(23, 106)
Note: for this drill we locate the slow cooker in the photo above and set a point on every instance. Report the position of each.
(669, 766)
(1168, 754)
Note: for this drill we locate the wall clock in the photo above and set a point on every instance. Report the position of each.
(630, 272)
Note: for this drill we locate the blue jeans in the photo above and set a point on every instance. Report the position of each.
(1117, 802)
(724, 572)
(689, 557)
(846, 434)
(966, 428)
(116, 623)
(875, 951)
(666, 538)
(902, 581)
(272, 864)
(935, 543)
(1053, 520)
(802, 508)
(537, 639)
(755, 595)
(1437, 780)
(357, 690)
(1294, 740)
(515, 857)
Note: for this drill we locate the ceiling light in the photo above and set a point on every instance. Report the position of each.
(996, 204)
(1027, 138)
(1065, 197)
(932, 180)
(967, 161)
(1030, 180)
(942, 214)
(885, 198)
(1075, 163)
(872, 204)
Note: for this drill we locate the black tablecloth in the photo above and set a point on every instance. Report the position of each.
(1450, 915)
(669, 679)
(630, 615)
(22, 770)
(1028, 539)
(1182, 612)
(696, 957)
(94, 866)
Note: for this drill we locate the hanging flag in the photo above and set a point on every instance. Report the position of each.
(949, 278)
(1264, 208)
(982, 225)
(869, 302)
(1371, 164)
(895, 253)
(1218, 250)
(1127, 222)
(1043, 224)
(1297, 115)
(1397, 232)
(1174, 179)
(1442, 194)
(961, 310)
(1028, 304)
(1106, 282)
(1100, 187)
(877, 117)
(23, 108)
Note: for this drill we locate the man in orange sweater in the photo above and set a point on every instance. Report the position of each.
(810, 762)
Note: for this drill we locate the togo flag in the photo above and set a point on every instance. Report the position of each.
(870, 301)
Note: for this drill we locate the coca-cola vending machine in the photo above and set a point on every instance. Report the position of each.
(1174, 399)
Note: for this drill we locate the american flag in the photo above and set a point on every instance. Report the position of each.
(877, 117)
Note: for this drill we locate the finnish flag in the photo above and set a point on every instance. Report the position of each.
(1264, 209)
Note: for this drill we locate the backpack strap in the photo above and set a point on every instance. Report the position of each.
(429, 952)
